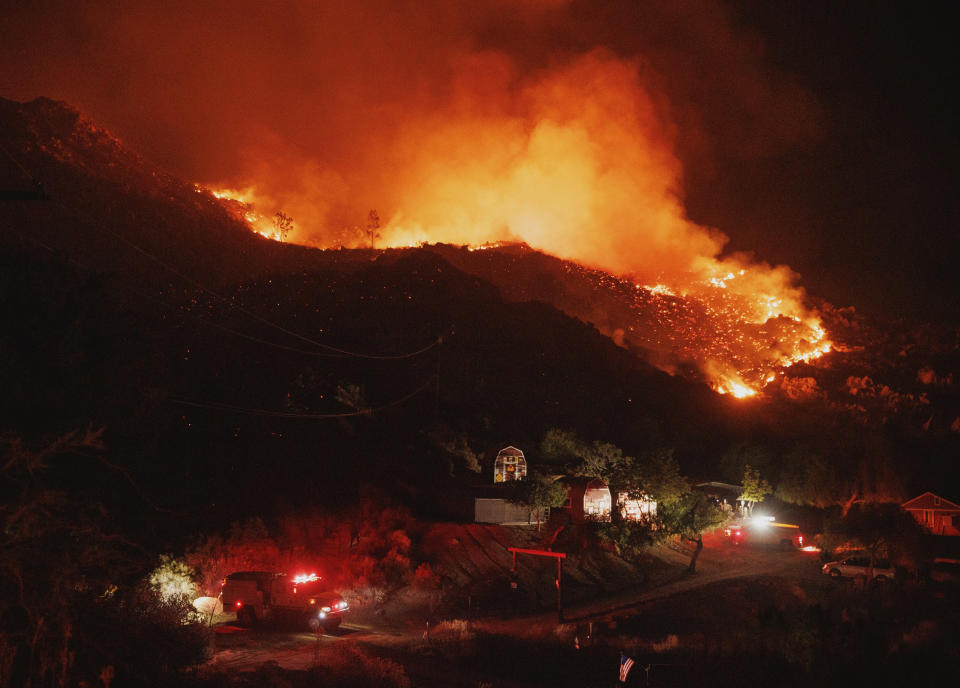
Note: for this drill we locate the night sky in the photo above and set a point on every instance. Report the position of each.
(820, 135)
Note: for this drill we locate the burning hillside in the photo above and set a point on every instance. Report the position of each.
(577, 160)
(739, 329)
(738, 343)
(734, 322)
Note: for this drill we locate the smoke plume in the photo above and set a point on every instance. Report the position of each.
(560, 123)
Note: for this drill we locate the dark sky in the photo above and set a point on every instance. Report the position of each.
(820, 135)
(869, 209)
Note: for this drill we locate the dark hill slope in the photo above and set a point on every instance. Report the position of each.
(110, 211)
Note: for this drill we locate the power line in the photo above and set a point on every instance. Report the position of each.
(182, 312)
(263, 412)
(18, 163)
(147, 254)
(219, 406)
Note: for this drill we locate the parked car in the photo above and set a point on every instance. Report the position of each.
(858, 565)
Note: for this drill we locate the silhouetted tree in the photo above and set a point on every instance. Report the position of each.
(806, 478)
(734, 461)
(541, 491)
(657, 476)
(76, 605)
(461, 448)
(883, 529)
(690, 517)
(282, 224)
(755, 488)
(373, 227)
(629, 538)
(562, 447)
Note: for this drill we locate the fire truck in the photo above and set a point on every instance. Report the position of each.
(261, 595)
(764, 530)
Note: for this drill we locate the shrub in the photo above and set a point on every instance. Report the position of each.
(173, 579)
(347, 665)
(454, 630)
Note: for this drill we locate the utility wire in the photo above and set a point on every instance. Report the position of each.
(263, 412)
(218, 406)
(147, 254)
(182, 312)
(230, 303)
(18, 163)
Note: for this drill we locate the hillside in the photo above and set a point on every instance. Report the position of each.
(234, 374)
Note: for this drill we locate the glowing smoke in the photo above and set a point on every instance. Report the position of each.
(561, 123)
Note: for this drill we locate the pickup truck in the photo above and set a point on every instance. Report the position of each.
(763, 531)
(261, 595)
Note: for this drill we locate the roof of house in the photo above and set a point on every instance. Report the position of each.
(930, 501)
(597, 484)
(510, 451)
(721, 486)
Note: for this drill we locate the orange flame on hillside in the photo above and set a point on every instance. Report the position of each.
(243, 204)
(577, 161)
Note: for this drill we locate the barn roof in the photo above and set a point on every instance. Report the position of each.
(510, 451)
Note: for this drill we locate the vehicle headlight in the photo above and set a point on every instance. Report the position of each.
(325, 609)
(323, 615)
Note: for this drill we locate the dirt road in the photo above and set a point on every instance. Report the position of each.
(245, 649)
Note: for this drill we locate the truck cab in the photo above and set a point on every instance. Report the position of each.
(261, 595)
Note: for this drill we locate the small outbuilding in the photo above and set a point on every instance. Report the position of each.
(597, 500)
(590, 499)
(509, 465)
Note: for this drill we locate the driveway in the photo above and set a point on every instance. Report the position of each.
(242, 649)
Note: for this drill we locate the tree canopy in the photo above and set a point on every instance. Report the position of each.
(690, 517)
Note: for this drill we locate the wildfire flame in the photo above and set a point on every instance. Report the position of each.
(243, 204)
(576, 161)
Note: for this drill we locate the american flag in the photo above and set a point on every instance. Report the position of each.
(625, 665)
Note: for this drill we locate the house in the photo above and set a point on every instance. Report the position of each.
(589, 499)
(509, 465)
(935, 514)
